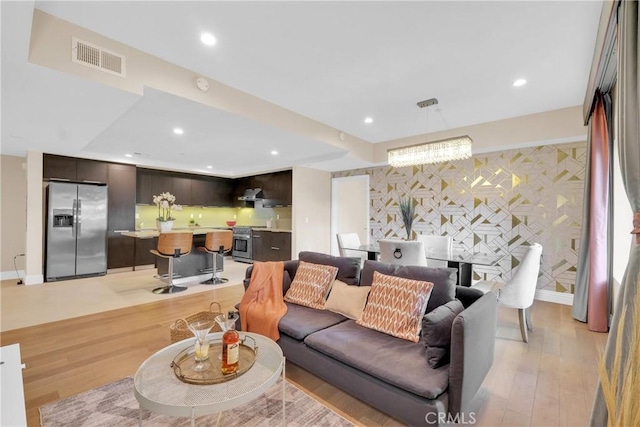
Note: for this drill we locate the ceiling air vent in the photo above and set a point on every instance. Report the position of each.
(98, 58)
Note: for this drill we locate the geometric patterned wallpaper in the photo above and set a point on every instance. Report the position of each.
(497, 202)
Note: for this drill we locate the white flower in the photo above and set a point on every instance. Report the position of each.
(165, 202)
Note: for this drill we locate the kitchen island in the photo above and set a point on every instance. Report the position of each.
(195, 267)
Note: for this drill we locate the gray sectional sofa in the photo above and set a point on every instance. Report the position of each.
(389, 373)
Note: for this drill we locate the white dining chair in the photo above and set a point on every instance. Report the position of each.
(350, 240)
(402, 252)
(439, 244)
(520, 291)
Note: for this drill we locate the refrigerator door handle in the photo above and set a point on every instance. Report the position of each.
(79, 230)
(74, 223)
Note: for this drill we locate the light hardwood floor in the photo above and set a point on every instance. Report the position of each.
(81, 334)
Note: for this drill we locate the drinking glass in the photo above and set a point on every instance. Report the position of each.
(200, 329)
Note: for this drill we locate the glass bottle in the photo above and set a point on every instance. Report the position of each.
(230, 343)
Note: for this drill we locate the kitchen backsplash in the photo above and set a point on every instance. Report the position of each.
(216, 217)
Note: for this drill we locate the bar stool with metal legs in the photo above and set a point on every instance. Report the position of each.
(172, 246)
(218, 242)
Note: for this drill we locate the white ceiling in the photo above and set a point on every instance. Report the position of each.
(334, 62)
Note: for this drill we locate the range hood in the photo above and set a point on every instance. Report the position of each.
(251, 195)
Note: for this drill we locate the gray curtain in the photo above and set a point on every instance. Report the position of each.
(629, 149)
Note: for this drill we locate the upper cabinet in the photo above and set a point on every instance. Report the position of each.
(151, 183)
(73, 169)
(211, 191)
(190, 190)
(276, 189)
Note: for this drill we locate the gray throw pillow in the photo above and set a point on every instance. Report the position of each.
(436, 332)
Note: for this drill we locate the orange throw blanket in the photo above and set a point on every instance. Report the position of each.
(262, 304)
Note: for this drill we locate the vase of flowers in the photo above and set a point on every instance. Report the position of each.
(166, 202)
(407, 213)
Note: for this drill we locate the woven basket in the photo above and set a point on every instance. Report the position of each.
(179, 330)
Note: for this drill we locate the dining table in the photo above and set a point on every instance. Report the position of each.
(462, 261)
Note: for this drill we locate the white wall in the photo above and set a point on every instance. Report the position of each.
(350, 208)
(311, 215)
(35, 215)
(13, 206)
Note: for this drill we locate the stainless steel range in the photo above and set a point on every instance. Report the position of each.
(242, 244)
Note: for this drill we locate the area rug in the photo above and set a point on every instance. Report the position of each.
(115, 405)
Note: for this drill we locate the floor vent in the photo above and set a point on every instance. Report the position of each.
(98, 58)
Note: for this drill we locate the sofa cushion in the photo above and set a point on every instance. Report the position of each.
(348, 268)
(311, 285)
(300, 321)
(347, 300)
(395, 361)
(396, 306)
(443, 279)
(436, 332)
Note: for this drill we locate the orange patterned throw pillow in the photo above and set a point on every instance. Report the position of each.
(396, 306)
(311, 284)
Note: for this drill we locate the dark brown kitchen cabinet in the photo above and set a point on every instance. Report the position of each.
(190, 190)
(222, 192)
(151, 183)
(211, 191)
(91, 171)
(59, 167)
(181, 188)
(119, 250)
(143, 255)
(271, 246)
(239, 186)
(277, 189)
(73, 169)
(201, 191)
(257, 247)
(121, 185)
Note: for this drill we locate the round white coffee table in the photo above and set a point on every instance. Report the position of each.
(158, 390)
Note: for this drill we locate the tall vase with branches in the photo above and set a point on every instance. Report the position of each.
(407, 212)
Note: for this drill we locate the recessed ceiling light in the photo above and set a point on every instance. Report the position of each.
(208, 39)
(519, 82)
(209, 167)
(368, 120)
(128, 155)
(178, 131)
(274, 153)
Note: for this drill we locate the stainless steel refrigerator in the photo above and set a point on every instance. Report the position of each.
(76, 230)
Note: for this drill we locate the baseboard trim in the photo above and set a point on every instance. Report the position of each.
(34, 279)
(10, 275)
(556, 297)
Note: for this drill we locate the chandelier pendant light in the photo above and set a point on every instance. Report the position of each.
(444, 150)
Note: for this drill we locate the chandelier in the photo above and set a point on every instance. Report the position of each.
(444, 150)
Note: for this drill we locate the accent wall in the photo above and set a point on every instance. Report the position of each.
(496, 202)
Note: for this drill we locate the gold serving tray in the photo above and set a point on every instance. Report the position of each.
(184, 363)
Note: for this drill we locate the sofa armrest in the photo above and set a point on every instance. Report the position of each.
(467, 295)
(472, 350)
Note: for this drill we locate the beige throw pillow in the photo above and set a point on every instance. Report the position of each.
(348, 300)
(311, 284)
(396, 306)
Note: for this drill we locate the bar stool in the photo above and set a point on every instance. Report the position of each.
(218, 242)
(172, 246)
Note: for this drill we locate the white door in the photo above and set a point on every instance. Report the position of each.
(349, 208)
